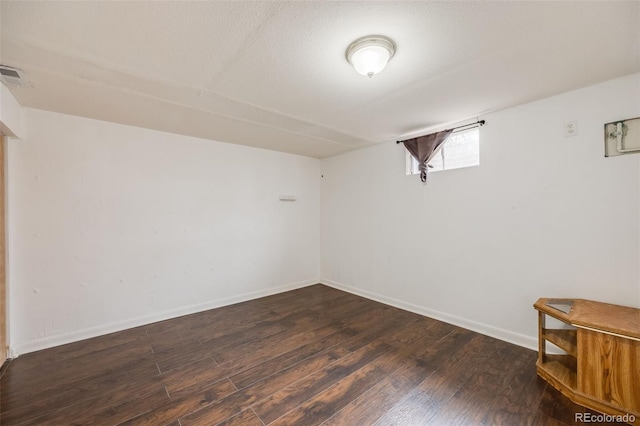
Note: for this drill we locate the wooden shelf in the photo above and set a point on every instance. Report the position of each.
(562, 368)
(560, 372)
(567, 340)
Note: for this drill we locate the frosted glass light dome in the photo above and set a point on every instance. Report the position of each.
(369, 55)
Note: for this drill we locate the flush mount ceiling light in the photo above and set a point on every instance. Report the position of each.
(369, 55)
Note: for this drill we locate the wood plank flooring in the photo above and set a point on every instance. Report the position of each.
(306, 357)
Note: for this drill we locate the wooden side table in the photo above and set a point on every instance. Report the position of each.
(600, 367)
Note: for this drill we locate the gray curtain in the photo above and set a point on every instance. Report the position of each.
(424, 147)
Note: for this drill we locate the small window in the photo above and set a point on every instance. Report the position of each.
(461, 149)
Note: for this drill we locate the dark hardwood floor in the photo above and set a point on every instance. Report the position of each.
(306, 357)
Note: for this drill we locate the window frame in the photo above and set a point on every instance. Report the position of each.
(412, 163)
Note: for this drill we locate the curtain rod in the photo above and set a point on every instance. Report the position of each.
(478, 123)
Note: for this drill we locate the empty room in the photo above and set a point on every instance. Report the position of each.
(319, 213)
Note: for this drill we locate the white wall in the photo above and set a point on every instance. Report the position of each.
(11, 121)
(113, 226)
(542, 216)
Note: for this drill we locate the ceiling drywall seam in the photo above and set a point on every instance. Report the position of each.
(96, 67)
(248, 40)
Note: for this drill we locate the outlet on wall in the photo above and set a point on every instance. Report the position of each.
(570, 128)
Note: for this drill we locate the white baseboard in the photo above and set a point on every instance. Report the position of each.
(499, 333)
(74, 336)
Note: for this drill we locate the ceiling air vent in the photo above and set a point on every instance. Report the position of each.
(13, 76)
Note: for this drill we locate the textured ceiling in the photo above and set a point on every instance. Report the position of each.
(273, 74)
